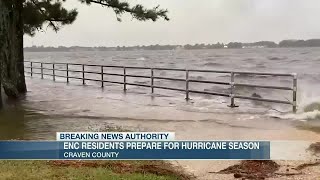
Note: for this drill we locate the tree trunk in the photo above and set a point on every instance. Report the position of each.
(1, 100)
(21, 83)
(4, 14)
(8, 48)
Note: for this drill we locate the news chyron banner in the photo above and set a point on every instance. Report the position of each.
(131, 146)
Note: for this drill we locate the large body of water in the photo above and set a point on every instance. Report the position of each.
(56, 106)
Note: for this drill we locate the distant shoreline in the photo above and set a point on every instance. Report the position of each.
(98, 50)
(232, 45)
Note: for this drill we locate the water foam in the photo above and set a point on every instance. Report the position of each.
(308, 113)
(303, 116)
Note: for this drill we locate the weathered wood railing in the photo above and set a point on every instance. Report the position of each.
(187, 80)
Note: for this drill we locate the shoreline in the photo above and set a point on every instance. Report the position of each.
(83, 111)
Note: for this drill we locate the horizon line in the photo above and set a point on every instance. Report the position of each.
(192, 44)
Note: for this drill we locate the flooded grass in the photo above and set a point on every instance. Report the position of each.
(95, 170)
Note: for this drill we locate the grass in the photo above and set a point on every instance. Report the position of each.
(91, 170)
(95, 170)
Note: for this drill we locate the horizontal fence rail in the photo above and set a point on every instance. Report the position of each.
(232, 84)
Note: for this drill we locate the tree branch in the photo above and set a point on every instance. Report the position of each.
(108, 5)
(137, 11)
(51, 22)
(56, 20)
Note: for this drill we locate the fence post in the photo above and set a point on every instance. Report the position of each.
(232, 104)
(187, 85)
(31, 68)
(83, 80)
(102, 80)
(67, 72)
(124, 79)
(294, 97)
(152, 81)
(41, 70)
(53, 72)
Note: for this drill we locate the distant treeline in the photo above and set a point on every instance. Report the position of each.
(300, 43)
(260, 44)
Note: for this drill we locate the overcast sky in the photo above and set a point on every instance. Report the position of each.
(192, 21)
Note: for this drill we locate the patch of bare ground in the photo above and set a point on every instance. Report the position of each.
(159, 168)
(251, 169)
(306, 165)
(262, 169)
(314, 148)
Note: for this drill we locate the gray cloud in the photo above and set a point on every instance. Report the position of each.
(192, 21)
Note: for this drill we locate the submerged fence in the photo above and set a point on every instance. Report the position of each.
(187, 80)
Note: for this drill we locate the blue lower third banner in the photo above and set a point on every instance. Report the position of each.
(135, 150)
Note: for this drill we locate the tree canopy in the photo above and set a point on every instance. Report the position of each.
(19, 17)
(38, 13)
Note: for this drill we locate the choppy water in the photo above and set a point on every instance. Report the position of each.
(55, 106)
